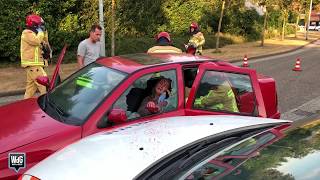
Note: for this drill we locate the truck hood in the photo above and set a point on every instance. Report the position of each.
(24, 122)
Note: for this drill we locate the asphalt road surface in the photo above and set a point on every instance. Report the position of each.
(298, 91)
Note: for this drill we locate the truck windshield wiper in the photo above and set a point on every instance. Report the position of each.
(204, 148)
(191, 155)
(57, 110)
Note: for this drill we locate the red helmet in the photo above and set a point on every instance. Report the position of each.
(194, 25)
(33, 20)
(163, 35)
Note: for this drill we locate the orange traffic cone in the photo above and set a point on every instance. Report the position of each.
(297, 67)
(245, 61)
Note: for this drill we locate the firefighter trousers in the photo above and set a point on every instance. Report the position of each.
(32, 73)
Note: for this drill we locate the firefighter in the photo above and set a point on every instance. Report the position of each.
(164, 44)
(220, 96)
(196, 41)
(34, 50)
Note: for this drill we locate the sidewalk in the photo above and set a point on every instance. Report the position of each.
(236, 52)
(13, 78)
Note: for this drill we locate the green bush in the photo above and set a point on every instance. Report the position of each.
(290, 28)
(136, 23)
(12, 17)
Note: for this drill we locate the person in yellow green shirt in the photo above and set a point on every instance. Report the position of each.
(220, 97)
(33, 40)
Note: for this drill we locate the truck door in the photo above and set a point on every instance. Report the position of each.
(219, 89)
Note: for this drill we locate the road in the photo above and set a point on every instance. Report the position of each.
(298, 92)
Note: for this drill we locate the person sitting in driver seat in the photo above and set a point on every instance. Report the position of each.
(155, 102)
(220, 96)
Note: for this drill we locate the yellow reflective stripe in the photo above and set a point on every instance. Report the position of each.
(84, 84)
(31, 62)
(218, 106)
(36, 54)
(234, 103)
(85, 79)
(230, 93)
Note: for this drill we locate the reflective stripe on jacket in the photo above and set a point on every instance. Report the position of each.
(164, 49)
(197, 40)
(31, 53)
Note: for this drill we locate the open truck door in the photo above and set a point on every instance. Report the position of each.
(50, 84)
(219, 89)
(56, 79)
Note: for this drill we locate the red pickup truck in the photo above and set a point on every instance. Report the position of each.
(108, 93)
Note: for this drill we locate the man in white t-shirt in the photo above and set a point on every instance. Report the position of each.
(89, 49)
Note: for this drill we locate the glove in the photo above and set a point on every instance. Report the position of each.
(46, 51)
(39, 29)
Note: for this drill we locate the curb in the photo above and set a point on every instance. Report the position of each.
(275, 54)
(12, 93)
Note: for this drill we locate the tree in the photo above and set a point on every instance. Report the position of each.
(285, 7)
(268, 5)
(219, 26)
(12, 22)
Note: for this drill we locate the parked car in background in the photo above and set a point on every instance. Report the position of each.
(195, 147)
(108, 93)
(312, 27)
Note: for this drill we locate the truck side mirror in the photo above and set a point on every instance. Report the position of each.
(117, 116)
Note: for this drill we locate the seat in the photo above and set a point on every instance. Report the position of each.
(134, 98)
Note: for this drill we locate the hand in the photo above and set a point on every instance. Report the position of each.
(152, 107)
(39, 30)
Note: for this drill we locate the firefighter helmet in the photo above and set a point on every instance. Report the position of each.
(33, 20)
(194, 26)
(163, 35)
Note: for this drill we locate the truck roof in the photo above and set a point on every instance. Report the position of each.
(133, 62)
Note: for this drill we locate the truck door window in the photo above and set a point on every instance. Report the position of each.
(189, 75)
(225, 91)
(133, 98)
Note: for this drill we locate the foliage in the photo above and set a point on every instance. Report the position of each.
(137, 22)
(11, 25)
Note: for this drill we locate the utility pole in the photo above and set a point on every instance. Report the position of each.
(309, 16)
(112, 28)
(101, 22)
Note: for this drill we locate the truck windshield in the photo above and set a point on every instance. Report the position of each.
(75, 98)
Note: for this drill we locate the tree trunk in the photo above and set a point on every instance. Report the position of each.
(219, 26)
(283, 26)
(112, 28)
(264, 28)
(297, 25)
